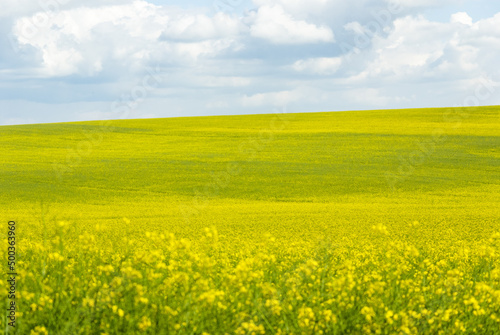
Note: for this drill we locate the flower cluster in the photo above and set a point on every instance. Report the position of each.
(374, 284)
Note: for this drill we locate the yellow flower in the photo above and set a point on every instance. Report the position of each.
(274, 305)
(145, 323)
(88, 302)
(39, 330)
(56, 256)
(368, 312)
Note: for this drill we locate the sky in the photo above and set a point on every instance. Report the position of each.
(69, 60)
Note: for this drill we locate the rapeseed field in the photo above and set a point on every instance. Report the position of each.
(362, 222)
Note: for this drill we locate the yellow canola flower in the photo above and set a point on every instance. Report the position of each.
(144, 324)
(39, 330)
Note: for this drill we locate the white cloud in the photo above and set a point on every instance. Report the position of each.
(88, 40)
(422, 3)
(356, 27)
(336, 13)
(318, 66)
(273, 24)
(409, 47)
(462, 18)
(13, 8)
(199, 27)
(300, 8)
(417, 48)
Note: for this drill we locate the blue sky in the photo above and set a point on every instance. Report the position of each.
(68, 60)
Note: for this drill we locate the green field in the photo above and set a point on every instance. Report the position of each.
(345, 222)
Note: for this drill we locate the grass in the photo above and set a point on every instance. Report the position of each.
(353, 222)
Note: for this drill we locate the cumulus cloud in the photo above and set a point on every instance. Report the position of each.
(85, 40)
(421, 49)
(26, 7)
(201, 27)
(300, 8)
(462, 18)
(421, 3)
(407, 49)
(275, 25)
